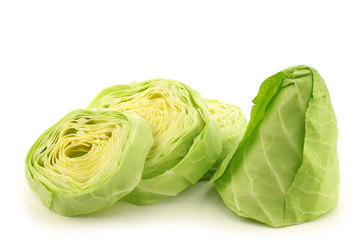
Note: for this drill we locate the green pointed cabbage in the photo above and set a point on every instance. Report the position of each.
(88, 160)
(187, 140)
(232, 122)
(285, 170)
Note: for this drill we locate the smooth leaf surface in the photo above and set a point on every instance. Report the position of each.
(285, 170)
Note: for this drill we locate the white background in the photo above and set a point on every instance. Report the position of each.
(55, 56)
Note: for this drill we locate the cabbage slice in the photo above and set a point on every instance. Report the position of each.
(187, 140)
(232, 122)
(286, 168)
(88, 160)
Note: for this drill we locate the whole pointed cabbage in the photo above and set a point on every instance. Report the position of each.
(285, 171)
(187, 140)
(88, 160)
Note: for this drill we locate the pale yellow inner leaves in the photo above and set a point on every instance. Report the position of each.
(165, 109)
(227, 116)
(80, 152)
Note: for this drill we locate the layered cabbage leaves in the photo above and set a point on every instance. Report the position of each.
(187, 141)
(232, 122)
(88, 160)
(146, 141)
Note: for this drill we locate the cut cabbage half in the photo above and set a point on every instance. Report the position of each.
(88, 160)
(232, 122)
(187, 140)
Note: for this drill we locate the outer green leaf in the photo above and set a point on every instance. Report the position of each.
(232, 122)
(285, 170)
(88, 160)
(187, 140)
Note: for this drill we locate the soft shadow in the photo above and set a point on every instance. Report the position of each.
(200, 203)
